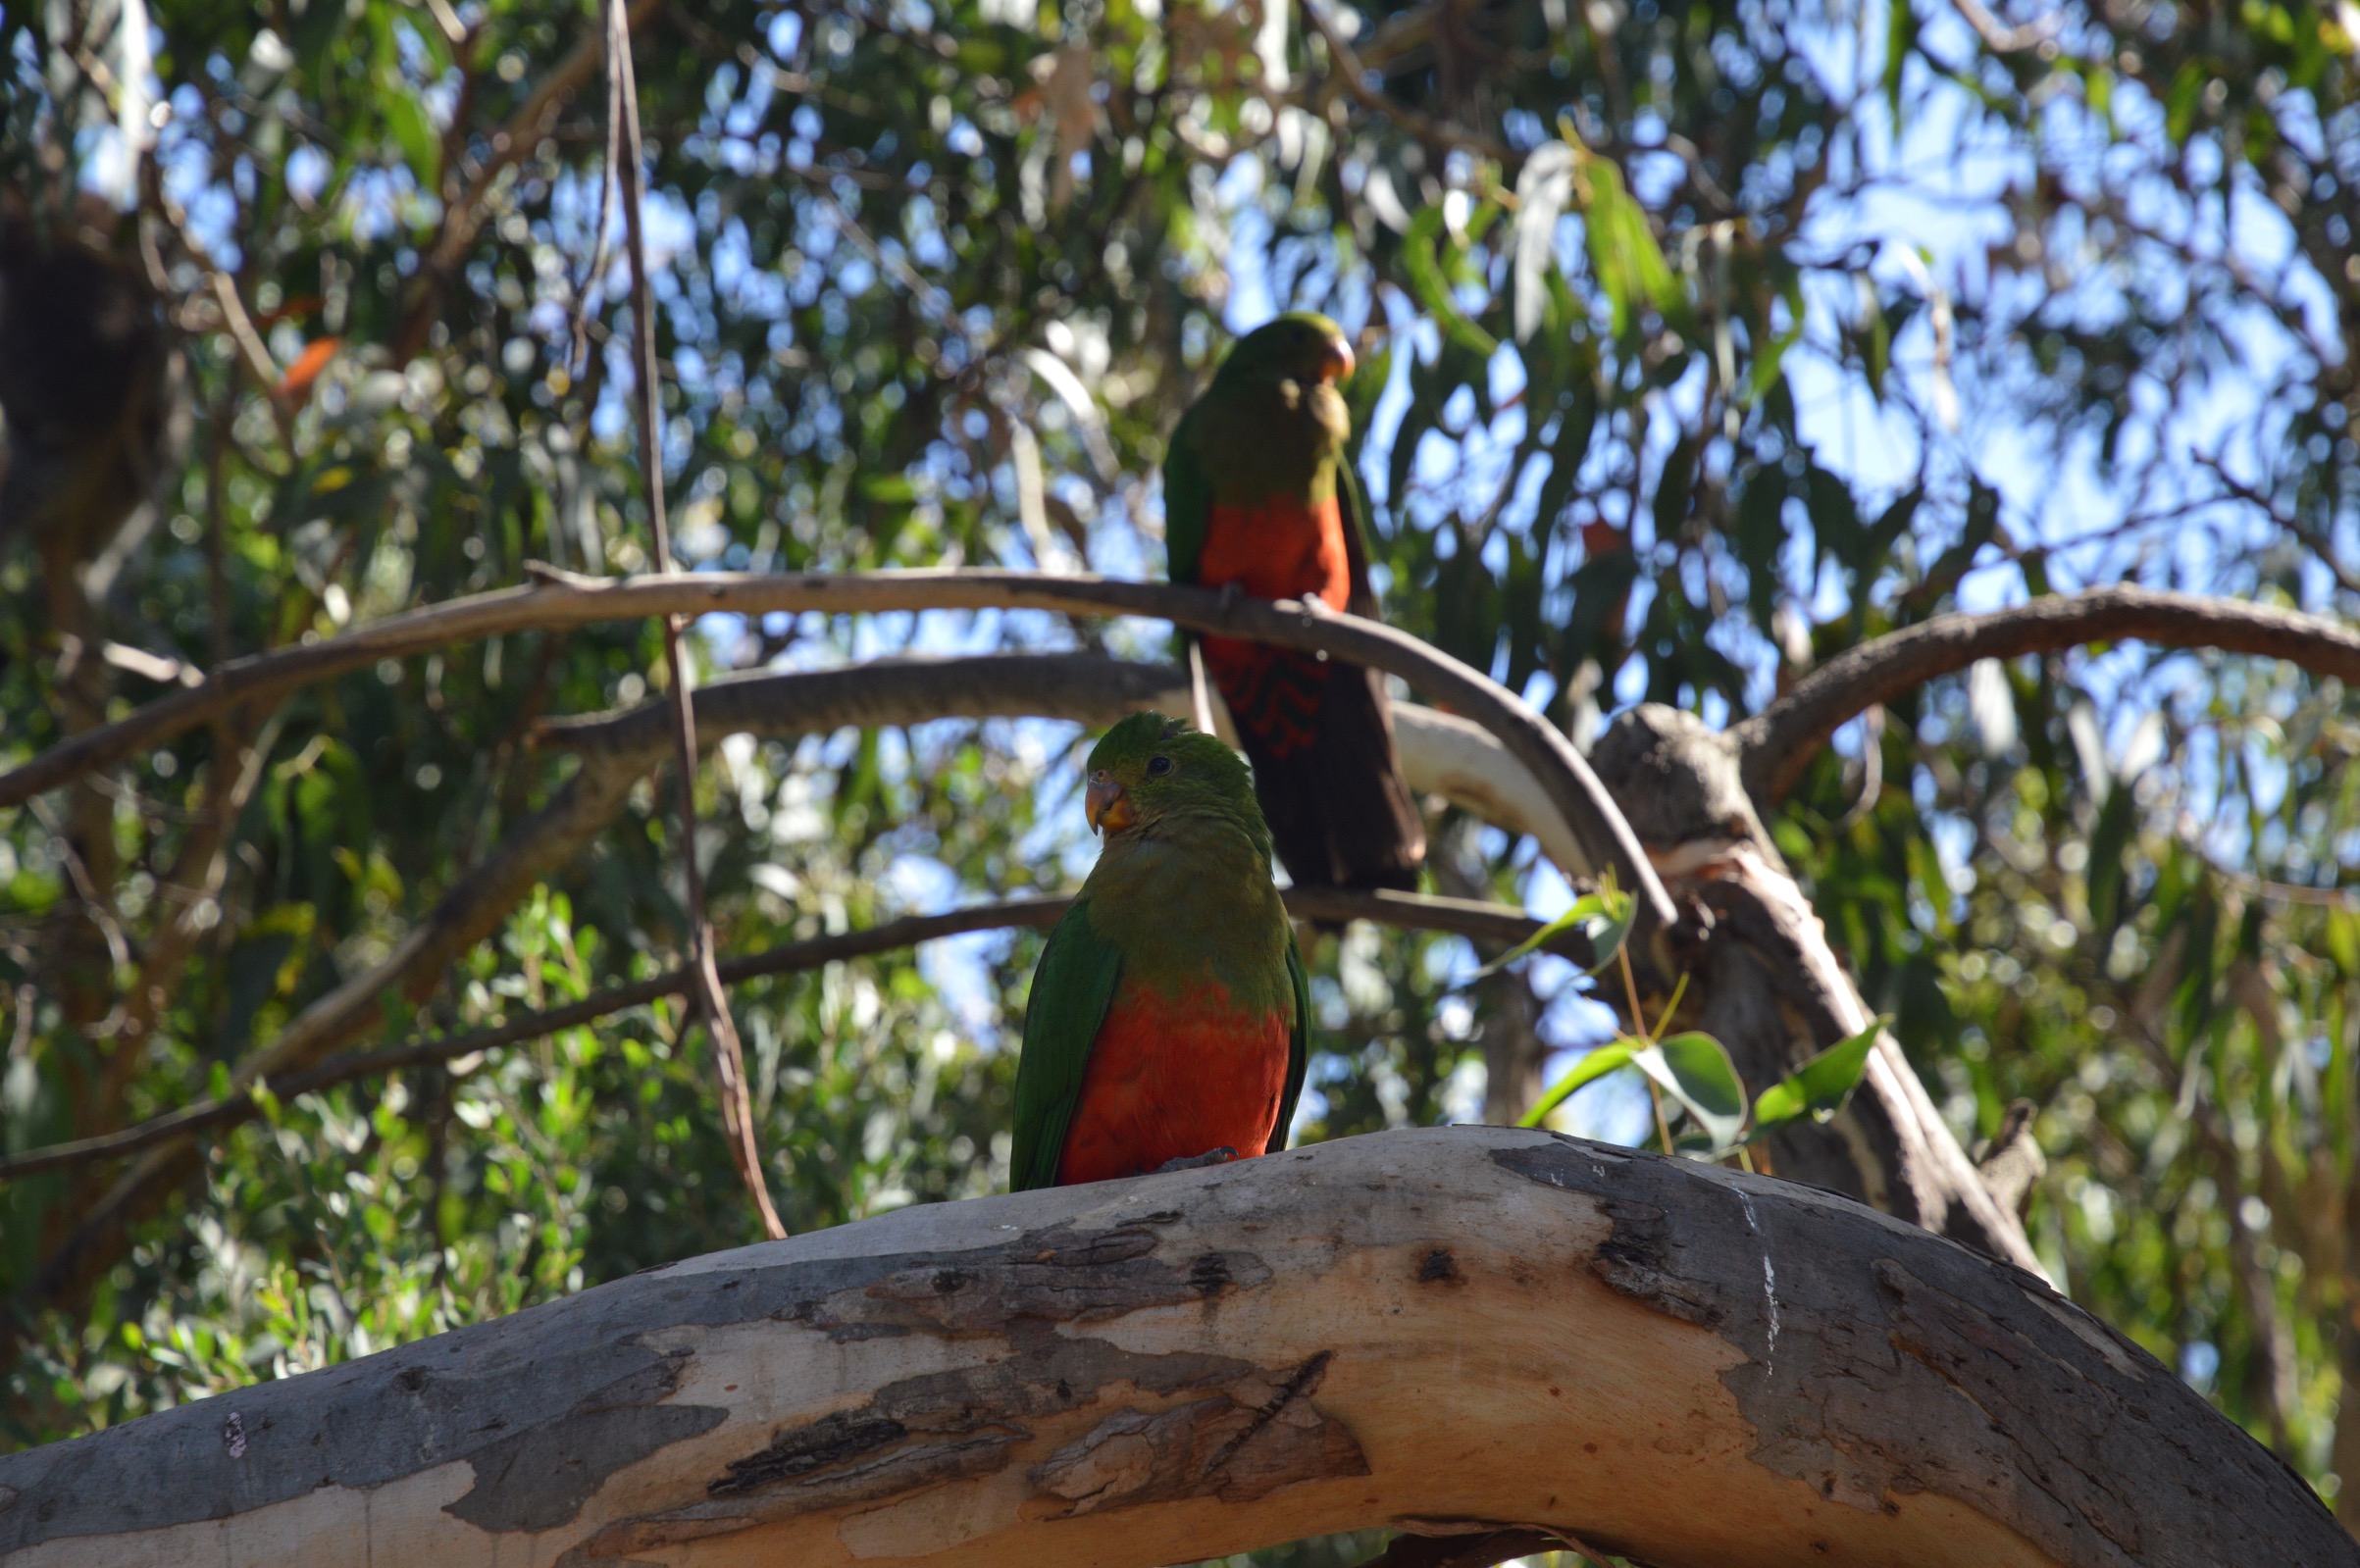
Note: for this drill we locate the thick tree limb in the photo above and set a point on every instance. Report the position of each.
(560, 599)
(1767, 985)
(1779, 742)
(1467, 1328)
(1494, 923)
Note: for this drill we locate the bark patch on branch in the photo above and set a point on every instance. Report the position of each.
(1249, 1437)
(1260, 1433)
(2012, 1415)
(1060, 1276)
(539, 1479)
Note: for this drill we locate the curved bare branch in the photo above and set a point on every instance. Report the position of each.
(559, 599)
(1779, 742)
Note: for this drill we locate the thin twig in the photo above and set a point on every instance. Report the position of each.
(463, 220)
(1425, 128)
(1638, 1024)
(1494, 923)
(592, 278)
(712, 1003)
(1999, 38)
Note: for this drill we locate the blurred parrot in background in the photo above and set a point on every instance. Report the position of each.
(1258, 493)
(1169, 1016)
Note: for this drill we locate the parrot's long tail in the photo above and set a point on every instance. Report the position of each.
(1319, 734)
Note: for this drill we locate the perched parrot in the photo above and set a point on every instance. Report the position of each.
(1258, 493)
(1168, 1018)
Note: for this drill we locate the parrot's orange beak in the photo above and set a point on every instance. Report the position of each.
(1337, 365)
(1106, 805)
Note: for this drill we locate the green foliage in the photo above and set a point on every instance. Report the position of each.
(1605, 917)
(1822, 1086)
(918, 266)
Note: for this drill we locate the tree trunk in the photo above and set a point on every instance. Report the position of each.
(1767, 985)
(1449, 1330)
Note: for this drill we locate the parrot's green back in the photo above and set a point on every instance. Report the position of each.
(1071, 988)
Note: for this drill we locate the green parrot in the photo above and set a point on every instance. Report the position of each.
(1169, 1014)
(1258, 497)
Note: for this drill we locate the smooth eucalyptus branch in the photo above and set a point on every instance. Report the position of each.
(1449, 1329)
(555, 600)
(1494, 924)
(711, 1001)
(1777, 743)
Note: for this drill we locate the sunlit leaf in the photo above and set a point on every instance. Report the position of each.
(1544, 191)
(1820, 1085)
(1695, 1069)
(1590, 1068)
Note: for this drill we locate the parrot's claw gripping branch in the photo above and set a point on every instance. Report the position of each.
(1196, 1162)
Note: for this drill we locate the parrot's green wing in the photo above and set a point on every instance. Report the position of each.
(1187, 501)
(1299, 1047)
(1071, 990)
(1352, 502)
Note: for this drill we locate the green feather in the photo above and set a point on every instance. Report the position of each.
(1353, 501)
(1299, 1043)
(1182, 898)
(1187, 501)
(1071, 990)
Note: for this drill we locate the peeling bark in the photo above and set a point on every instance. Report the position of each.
(1459, 1331)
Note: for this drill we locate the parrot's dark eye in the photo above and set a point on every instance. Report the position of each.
(1158, 767)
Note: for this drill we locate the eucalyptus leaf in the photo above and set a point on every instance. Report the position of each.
(1605, 915)
(1589, 1070)
(1820, 1085)
(1694, 1069)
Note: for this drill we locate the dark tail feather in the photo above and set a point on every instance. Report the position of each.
(1328, 772)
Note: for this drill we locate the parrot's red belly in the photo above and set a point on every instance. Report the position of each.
(1281, 549)
(1174, 1077)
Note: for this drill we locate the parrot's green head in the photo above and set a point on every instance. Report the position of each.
(1149, 770)
(1304, 346)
